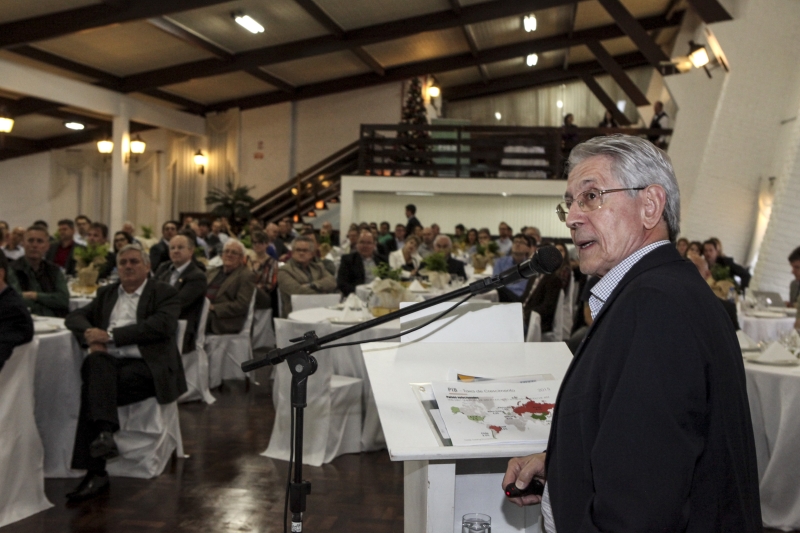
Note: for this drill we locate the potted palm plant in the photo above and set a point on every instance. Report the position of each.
(232, 202)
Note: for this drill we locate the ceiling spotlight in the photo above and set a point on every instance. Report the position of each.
(137, 145)
(247, 22)
(532, 59)
(434, 91)
(559, 104)
(105, 146)
(529, 23)
(77, 126)
(497, 115)
(698, 55)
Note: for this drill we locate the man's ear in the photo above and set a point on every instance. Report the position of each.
(655, 201)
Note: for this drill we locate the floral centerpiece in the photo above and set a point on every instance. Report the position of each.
(484, 255)
(387, 291)
(436, 270)
(90, 260)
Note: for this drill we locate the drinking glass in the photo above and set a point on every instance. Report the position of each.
(476, 523)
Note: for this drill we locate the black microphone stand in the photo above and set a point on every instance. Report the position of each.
(302, 365)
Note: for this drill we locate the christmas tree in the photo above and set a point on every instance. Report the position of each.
(414, 113)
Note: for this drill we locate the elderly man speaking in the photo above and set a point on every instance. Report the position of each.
(651, 430)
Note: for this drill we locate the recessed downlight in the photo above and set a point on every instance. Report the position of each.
(77, 126)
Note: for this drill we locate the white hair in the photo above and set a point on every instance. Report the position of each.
(636, 162)
(235, 242)
(137, 248)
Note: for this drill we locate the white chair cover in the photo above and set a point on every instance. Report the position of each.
(21, 450)
(534, 328)
(226, 353)
(149, 433)
(180, 333)
(195, 365)
(333, 413)
(569, 309)
(308, 301)
(477, 321)
(263, 334)
(557, 334)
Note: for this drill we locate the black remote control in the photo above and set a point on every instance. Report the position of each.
(535, 487)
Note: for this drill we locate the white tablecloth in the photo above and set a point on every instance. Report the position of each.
(349, 361)
(766, 329)
(78, 302)
(774, 395)
(58, 388)
(364, 292)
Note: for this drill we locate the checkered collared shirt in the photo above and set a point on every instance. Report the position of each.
(603, 289)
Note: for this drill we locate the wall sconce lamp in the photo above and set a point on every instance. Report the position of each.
(105, 146)
(6, 122)
(201, 160)
(136, 147)
(434, 91)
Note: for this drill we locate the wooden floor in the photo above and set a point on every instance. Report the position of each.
(226, 486)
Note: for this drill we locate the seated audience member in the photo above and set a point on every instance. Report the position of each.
(127, 227)
(695, 247)
(13, 248)
(504, 242)
(436, 230)
(471, 242)
(265, 273)
(541, 295)
(300, 275)
(276, 249)
(3, 232)
(399, 236)
(713, 255)
(16, 326)
(129, 329)
(98, 236)
(407, 257)
(159, 252)
(121, 240)
(189, 280)
(329, 265)
(682, 245)
(41, 283)
(444, 245)
(62, 252)
(460, 234)
(333, 234)
(521, 250)
(46, 226)
(794, 286)
(564, 272)
(286, 233)
(534, 233)
(205, 239)
(349, 246)
(358, 267)
(82, 223)
(720, 288)
(385, 236)
(230, 290)
(221, 236)
(426, 247)
(584, 313)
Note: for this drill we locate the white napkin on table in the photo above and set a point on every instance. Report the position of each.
(775, 352)
(354, 310)
(745, 341)
(416, 286)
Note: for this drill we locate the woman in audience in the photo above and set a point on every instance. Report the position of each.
(121, 240)
(406, 258)
(564, 272)
(265, 272)
(682, 246)
(471, 242)
(695, 247)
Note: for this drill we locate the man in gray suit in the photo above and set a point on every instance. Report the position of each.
(230, 290)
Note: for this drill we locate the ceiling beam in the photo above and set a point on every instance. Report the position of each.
(318, 14)
(537, 78)
(12, 143)
(330, 43)
(433, 66)
(189, 37)
(103, 78)
(606, 100)
(28, 105)
(188, 105)
(272, 80)
(710, 10)
(618, 74)
(92, 16)
(573, 16)
(646, 45)
(473, 49)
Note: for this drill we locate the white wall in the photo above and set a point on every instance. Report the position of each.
(265, 133)
(25, 189)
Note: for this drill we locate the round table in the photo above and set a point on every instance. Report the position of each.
(774, 397)
(766, 329)
(57, 389)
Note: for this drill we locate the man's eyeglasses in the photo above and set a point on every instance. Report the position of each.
(588, 200)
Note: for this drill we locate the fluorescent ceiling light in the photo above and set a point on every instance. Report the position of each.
(415, 194)
(532, 59)
(77, 126)
(247, 22)
(497, 115)
(529, 23)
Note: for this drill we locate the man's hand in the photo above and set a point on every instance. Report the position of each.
(520, 471)
(96, 335)
(98, 347)
(29, 295)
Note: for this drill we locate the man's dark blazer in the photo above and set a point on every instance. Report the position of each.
(351, 271)
(69, 267)
(154, 332)
(544, 300)
(159, 253)
(412, 223)
(736, 270)
(191, 287)
(16, 326)
(651, 430)
(232, 301)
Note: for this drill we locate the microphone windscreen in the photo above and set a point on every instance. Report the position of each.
(549, 258)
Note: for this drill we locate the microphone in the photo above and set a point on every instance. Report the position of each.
(546, 260)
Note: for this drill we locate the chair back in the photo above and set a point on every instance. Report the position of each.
(557, 334)
(263, 334)
(201, 325)
(248, 323)
(180, 333)
(534, 328)
(309, 301)
(478, 321)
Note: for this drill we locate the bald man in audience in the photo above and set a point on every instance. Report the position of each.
(426, 248)
(444, 245)
(230, 290)
(300, 275)
(41, 283)
(358, 267)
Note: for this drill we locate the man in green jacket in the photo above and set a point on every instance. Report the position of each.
(40, 282)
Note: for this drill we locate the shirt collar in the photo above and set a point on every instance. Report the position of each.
(137, 293)
(603, 289)
(181, 268)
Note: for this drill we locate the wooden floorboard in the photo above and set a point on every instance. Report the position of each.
(226, 486)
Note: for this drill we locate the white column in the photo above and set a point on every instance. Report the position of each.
(119, 170)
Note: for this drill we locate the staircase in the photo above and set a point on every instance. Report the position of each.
(309, 190)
